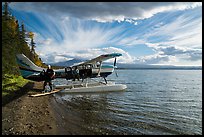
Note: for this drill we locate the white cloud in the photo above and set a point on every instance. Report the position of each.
(173, 56)
(185, 31)
(131, 21)
(170, 6)
(135, 23)
(87, 55)
(153, 59)
(45, 42)
(131, 41)
(76, 35)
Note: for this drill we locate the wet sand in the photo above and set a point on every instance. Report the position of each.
(29, 115)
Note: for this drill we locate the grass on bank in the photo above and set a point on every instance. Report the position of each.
(12, 83)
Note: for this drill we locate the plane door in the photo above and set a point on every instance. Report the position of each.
(85, 71)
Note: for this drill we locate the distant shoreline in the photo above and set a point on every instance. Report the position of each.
(160, 68)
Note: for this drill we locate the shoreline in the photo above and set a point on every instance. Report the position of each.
(69, 122)
(29, 115)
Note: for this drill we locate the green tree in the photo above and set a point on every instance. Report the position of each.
(6, 12)
(14, 42)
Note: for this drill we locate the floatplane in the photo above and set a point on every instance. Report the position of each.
(88, 71)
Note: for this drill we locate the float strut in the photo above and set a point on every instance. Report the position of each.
(105, 80)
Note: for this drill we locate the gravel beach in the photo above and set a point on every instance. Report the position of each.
(29, 115)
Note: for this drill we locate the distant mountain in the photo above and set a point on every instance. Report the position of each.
(145, 66)
(67, 63)
(128, 66)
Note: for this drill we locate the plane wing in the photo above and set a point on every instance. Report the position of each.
(100, 58)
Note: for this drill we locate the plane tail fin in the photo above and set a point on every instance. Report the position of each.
(27, 67)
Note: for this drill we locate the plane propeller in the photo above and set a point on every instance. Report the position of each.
(115, 68)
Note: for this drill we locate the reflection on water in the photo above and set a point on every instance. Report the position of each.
(155, 102)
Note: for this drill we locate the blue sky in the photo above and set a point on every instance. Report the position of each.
(168, 33)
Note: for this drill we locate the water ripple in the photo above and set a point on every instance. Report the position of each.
(167, 103)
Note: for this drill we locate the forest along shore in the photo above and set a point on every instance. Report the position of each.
(29, 115)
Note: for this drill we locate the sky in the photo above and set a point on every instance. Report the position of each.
(159, 33)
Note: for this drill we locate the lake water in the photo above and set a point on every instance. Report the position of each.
(156, 102)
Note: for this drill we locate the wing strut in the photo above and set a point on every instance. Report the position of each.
(99, 71)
